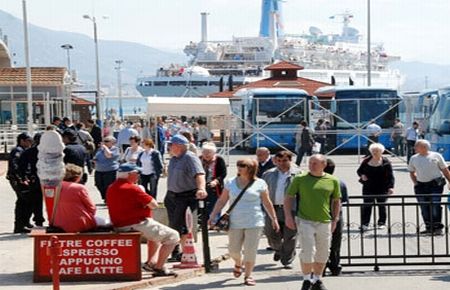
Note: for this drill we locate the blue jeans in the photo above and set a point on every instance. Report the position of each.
(150, 183)
(431, 209)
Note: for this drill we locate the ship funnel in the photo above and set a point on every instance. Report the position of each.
(204, 26)
(270, 7)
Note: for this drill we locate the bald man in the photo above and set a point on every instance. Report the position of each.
(317, 218)
(264, 161)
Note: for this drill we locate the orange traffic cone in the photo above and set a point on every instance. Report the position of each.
(189, 258)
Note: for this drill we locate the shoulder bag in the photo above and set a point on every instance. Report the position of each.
(223, 223)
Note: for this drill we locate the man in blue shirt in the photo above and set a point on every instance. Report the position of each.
(123, 140)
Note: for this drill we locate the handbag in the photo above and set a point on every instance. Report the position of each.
(223, 223)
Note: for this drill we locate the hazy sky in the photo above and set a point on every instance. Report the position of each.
(414, 29)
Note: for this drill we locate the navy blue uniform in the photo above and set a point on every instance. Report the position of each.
(22, 211)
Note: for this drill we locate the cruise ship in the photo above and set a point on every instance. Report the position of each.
(339, 59)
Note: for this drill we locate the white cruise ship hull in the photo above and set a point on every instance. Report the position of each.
(200, 86)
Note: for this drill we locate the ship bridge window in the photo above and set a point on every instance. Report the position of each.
(214, 83)
(146, 84)
(177, 83)
(198, 83)
(160, 83)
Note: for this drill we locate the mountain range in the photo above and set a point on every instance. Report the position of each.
(139, 59)
(45, 50)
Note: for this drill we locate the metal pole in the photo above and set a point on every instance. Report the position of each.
(359, 129)
(98, 105)
(68, 61)
(205, 238)
(257, 123)
(369, 64)
(119, 86)
(28, 69)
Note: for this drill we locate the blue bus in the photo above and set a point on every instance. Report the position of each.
(271, 116)
(354, 107)
(438, 132)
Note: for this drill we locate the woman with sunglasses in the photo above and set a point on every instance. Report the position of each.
(247, 217)
(106, 164)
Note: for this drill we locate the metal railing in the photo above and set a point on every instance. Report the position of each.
(402, 241)
(8, 135)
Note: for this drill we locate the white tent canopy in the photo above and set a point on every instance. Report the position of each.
(159, 106)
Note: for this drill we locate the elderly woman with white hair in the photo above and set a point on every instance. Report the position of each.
(215, 170)
(377, 178)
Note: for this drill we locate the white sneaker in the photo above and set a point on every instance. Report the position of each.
(364, 228)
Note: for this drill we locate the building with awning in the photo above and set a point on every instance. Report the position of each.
(51, 91)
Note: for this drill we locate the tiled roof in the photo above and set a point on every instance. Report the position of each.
(283, 65)
(40, 76)
(81, 101)
(310, 86)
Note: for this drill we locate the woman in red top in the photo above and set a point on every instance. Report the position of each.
(75, 211)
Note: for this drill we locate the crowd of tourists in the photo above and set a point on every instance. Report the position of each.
(127, 163)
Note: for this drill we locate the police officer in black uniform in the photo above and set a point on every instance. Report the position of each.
(21, 187)
(28, 172)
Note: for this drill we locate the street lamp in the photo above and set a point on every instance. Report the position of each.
(97, 68)
(119, 86)
(68, 47)
(28, 68)
(369, 63)
(68, 104)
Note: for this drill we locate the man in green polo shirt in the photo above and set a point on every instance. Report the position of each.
(315, 224)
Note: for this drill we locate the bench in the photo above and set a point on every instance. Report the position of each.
(92, 256)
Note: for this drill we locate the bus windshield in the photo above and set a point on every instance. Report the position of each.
(440, 116)
(369, 104)
(279, 109)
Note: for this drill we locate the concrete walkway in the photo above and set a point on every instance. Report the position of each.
(16, 254)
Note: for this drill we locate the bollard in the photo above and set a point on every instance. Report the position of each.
(205, 238)
(54, 250)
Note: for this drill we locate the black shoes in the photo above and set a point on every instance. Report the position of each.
(318, 286)
(276, 257)
(22, 231)
(306, 285)
(175, 258)
(336, 271)
(432, 232)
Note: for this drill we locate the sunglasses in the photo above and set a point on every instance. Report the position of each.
(242, 165)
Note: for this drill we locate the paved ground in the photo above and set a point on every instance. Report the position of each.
(16, 254)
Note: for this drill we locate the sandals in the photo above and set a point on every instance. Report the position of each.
(148, 267)
(249, 281)
(163, 273)
(237, 271)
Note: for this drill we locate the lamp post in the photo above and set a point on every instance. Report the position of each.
(28, 68)
(98, 108)
(68, 108)
(369, 61)
(68, 47)
(119, 86)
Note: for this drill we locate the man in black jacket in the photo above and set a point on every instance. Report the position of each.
(74, 153)
(22, 211)
(96, 132)
(28, 173)
(264, 160)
